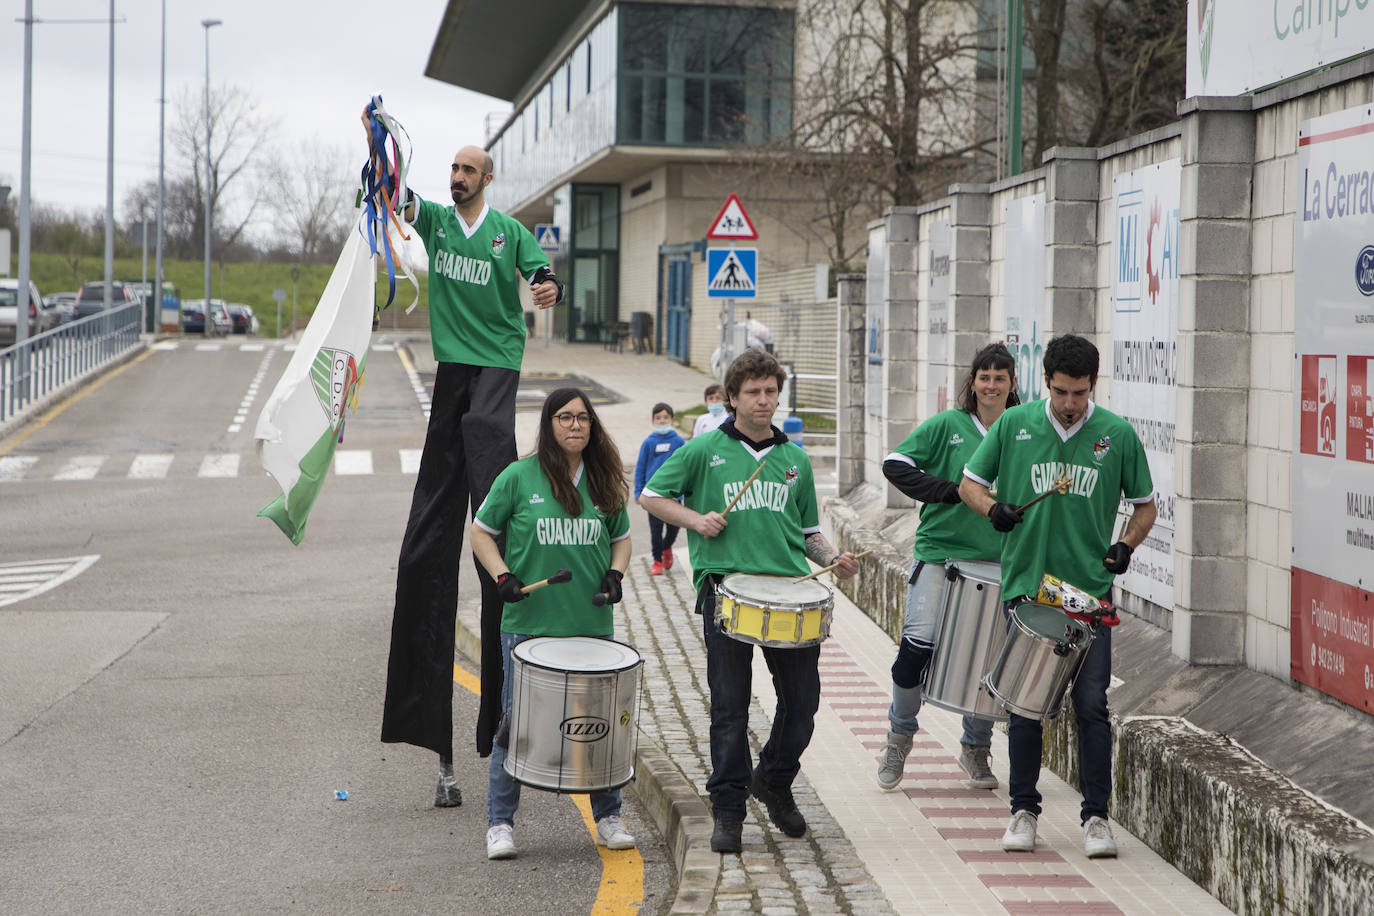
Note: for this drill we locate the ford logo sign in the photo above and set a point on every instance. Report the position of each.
(1364, 270)
(584, 728)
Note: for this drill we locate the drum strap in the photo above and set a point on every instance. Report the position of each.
(916, 572)
(707, 596)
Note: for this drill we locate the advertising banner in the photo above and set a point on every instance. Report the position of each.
(1237, 46)
(939, 378)
(1332, 613)
(1144, 347)
(1023, 291)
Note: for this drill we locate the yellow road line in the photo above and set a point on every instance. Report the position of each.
(51, 415)
(405, 359)
(622, 870)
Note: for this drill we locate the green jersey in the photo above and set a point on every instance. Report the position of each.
(766, 531)
(941, 446)
(1065, 535)
(541, 538)
(475, 315)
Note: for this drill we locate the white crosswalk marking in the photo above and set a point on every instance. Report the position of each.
(26, 579)
(220, 466)
(82, 467)
(410, 460)
(14, 467)
(250, 348)
(353, 461)
(149, 467)
(207, 348)
(165, 345)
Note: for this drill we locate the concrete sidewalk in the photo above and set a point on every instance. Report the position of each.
(931, 847)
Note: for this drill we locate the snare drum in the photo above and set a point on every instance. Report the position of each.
(774, 610)
(1042, 653)
(574, 713)
(970, 637)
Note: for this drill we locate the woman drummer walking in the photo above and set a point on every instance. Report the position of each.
(563, 507)
(928, 466)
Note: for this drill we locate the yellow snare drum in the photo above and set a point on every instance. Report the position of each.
(774, 610)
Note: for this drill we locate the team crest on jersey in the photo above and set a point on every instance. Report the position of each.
(1023, 436)
(535, 499)
(956, 439)
(1100, 449)
(498, 245)
(717, 461)
(440, 232)
(790, 478)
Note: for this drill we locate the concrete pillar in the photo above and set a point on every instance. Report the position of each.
(1072, 189)
(849, 439)
(970, 287)
(1213, 381)
(900, 396)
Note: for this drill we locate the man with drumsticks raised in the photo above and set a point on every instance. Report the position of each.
(772, 529)
(928, 466)
(1030, 451)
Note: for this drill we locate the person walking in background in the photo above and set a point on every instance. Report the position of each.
(1067, 535)
(928, 466)
(655, 449)
(715, 411)
(574, 474)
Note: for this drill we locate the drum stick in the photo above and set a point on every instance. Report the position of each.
(747, 484)
(1060, 486)
(826, 569)
(563, 575)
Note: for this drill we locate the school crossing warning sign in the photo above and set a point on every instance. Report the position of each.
(732, 223)
(733, 273)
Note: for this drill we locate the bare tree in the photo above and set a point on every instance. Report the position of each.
(313, 196)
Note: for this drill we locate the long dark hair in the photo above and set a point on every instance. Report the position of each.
(993, 356)
(600, 460)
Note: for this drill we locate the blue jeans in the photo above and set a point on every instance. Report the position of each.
(1089, 693)
(729, 670)
(503, 792)
(925, 601)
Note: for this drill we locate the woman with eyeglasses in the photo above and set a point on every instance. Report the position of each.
(574, 474)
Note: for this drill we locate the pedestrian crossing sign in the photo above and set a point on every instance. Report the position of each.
(732, 223)
(548, 236)
(733, 273)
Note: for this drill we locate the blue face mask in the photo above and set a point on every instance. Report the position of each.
(716, 407)
(663, 430)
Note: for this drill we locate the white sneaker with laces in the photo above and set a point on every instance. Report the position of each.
(1020, 835)
(611, 833)
(1097, 839)
(894, 760)
(500, 842)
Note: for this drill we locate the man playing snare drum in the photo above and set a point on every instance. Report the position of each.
(1027, 451)
(928, 466)
(772, 530)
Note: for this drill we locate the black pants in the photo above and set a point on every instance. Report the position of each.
(471, 439)
(661, 536)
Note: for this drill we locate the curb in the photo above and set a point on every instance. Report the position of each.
(680, 815)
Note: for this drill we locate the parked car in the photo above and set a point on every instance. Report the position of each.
(193, 317)
(42, 316)
(244, 321)
(91, 299)
(65, 304)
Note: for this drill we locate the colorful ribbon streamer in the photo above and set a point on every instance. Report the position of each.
(384, 191)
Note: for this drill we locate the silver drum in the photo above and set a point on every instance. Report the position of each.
(1042, 654)
(970, 637)
(574, 713)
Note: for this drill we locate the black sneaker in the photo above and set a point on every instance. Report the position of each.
(782, 810)
(727, 835)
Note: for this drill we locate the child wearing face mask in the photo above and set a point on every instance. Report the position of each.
(661, 443)
(715, 411)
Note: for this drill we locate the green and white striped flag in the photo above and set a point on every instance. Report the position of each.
(301, 423)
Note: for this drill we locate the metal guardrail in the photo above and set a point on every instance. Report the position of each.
(32, 370)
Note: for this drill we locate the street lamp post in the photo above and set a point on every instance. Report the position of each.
(155, 320)
(209, 217)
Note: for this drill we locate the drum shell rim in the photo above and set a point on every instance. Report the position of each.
(638, 660)
(724, 591)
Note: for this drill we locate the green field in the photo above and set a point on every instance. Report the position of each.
(249, 282)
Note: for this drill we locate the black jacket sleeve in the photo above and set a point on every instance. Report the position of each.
(919, 485)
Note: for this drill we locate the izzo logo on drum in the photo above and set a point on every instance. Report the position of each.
(584, 728)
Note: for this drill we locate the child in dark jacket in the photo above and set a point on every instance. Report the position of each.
(661, 443)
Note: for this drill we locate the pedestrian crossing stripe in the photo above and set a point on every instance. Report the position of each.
(28, 578)
(158, 466)
(733, 273)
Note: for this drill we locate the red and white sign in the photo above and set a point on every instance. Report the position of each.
(1332, 626)
(732, 223)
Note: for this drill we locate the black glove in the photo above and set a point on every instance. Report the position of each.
(948, 492)
(610, 586)
(1118, 558)
(509, 585)
(1004, 517)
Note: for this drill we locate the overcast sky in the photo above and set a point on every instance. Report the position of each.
(310, 64)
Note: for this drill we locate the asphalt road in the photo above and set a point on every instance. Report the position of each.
(176, 719)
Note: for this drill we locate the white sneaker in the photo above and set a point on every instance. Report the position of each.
(500, 842)
(611, 833)
(1097, 839)
(1020, 835)
(894, 760)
